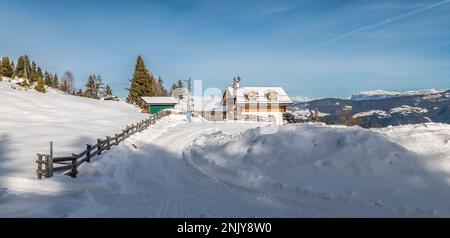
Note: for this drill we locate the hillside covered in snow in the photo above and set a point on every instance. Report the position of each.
(29, 120)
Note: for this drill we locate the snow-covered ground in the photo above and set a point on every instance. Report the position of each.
(379, 113)
(405, 109)
(231, 169)
(29, 120)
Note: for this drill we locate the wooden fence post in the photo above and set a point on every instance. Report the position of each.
(108, 142)
(50, 162)
(49, 166)
(117, 139)
(39, 169)
(99, 148)
(88, 154)
(74, 172)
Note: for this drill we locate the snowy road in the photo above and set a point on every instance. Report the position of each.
(163, 184)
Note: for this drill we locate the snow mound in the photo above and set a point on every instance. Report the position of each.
(319, 159)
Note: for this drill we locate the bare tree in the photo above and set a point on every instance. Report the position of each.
(67, 82)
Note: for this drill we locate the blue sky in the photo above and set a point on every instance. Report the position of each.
(312, 48)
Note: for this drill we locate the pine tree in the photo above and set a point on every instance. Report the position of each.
(174, 86)
(7, 69)
(33, 73)
(180, 84)
(80, 93)
(141, 83)
(161, 86)
(55, 81)
(48, 78)
(108, 90)
(39, 73)
(23, 67)
(90, 87)
(20, 68)
(99, 86)
(40, 86)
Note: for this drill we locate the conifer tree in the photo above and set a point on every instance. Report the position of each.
(39, 73)
(7, 69)
(48, 78)
(33, 76)
(180, 87)
(40, 86)
(108, 90)
(161, 87)
(180, 84)
(174, 86)
(80, 93)
(55, 81)
(23, 67)
(141, 83)
(90, 87)
(20, 68)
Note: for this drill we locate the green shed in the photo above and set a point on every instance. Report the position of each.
(156, 104)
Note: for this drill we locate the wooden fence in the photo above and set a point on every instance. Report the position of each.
(47, 164)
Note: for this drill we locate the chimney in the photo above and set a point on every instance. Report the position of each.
(236, 81)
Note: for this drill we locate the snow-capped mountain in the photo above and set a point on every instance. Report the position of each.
(381, 94)
(298, 99)
(408, 108)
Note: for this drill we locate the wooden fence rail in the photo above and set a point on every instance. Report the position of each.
(47, 164)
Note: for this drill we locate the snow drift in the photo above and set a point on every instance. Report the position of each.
(350, 163)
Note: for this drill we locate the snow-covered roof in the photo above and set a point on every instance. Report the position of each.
(261, 94)
(160, 100)
(206, 103)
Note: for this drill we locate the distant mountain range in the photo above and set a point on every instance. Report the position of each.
(381, 94)
(381, 108)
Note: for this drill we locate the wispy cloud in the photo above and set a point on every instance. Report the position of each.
(277, 10)
(377, 25)
(389, 6)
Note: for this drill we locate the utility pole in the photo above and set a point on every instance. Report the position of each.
(188, 112)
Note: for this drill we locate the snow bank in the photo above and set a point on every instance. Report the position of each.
(351, 163)
(431, 140)
(29, 120)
